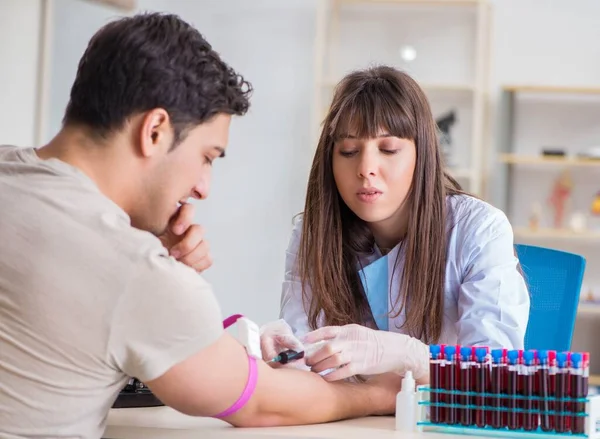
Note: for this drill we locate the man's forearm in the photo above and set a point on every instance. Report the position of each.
(212, 380)
(292, 397)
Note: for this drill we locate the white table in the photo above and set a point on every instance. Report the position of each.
(166, 423)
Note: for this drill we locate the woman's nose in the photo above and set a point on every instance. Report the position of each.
(367, 166)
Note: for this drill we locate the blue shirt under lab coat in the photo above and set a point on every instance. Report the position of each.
(486, 298)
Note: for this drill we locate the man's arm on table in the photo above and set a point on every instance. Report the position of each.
(212, 380)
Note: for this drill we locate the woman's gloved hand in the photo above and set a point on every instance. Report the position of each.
(365, 351)
(276, 337)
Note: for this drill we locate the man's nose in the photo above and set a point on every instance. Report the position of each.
(201, 190)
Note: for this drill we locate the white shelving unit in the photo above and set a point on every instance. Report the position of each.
(124, 5)
(354, 34)
(546, 233)
(533, 118)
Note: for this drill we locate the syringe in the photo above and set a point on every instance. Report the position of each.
(287, 356)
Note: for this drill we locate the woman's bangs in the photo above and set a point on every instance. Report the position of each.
(369, 114)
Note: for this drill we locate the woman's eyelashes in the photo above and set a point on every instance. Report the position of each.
(352, 153)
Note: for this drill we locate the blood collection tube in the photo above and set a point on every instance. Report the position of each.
(442, 394)
(533, 368)
(552, 385)
(481, 385)
(529, 420)
(568, 402)
(586, 373)
(466, 364)
(536, 390)
(520, 380)
(457, 383)
(435, 383)
(497, 387)
(512, 388)
(450, 384)
(543, 390)
(505, 387)
(576, 392)
(562, 392)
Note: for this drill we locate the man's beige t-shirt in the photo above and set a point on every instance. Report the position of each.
(86, 301)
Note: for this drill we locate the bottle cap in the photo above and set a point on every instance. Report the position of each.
(576, 359)
(450, 351)
(408, 382)
(497, 355)
(529, 357)
(543, 356)
(561, 359)
(513, 356)
(480, 354)
(465, 353)
(434, 350)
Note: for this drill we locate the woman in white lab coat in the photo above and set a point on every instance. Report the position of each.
(392, 254)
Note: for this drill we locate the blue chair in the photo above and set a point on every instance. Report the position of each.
(554, 279)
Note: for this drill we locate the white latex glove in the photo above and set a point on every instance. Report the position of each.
(364, 351)
(276, 337)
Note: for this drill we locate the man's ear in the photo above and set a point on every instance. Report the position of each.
(156, 133)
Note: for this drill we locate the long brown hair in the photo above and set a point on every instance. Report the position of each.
(334, 238)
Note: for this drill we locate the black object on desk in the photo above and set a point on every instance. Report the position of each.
(553, 152)
(136, 394)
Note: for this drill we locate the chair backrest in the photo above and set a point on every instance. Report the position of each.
(554, 279)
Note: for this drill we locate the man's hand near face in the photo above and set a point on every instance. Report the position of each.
(185, 240)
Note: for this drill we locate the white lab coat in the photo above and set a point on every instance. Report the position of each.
(486, 298)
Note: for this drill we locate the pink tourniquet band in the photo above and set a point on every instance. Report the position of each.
(248, 390)
(231, 320)
(250, 383)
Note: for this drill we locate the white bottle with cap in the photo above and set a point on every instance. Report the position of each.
(406, 404)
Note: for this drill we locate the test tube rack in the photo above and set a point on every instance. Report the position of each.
(590, 414)
(508, 393)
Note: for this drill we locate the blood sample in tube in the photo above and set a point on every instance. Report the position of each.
(512, 388)
(450, 381)
(543, 390)
(466, 364)
(435, 382)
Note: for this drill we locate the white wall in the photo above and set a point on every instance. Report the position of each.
(75, 21)
(260, 186)
(546, 42)
(19, 45)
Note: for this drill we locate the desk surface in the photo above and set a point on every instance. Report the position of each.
(166, 423)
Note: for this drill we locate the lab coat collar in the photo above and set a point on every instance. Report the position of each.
(375, 280)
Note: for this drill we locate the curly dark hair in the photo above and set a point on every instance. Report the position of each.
(152, 60)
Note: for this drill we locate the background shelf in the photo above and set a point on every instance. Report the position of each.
(542, 233)
(524, 159)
